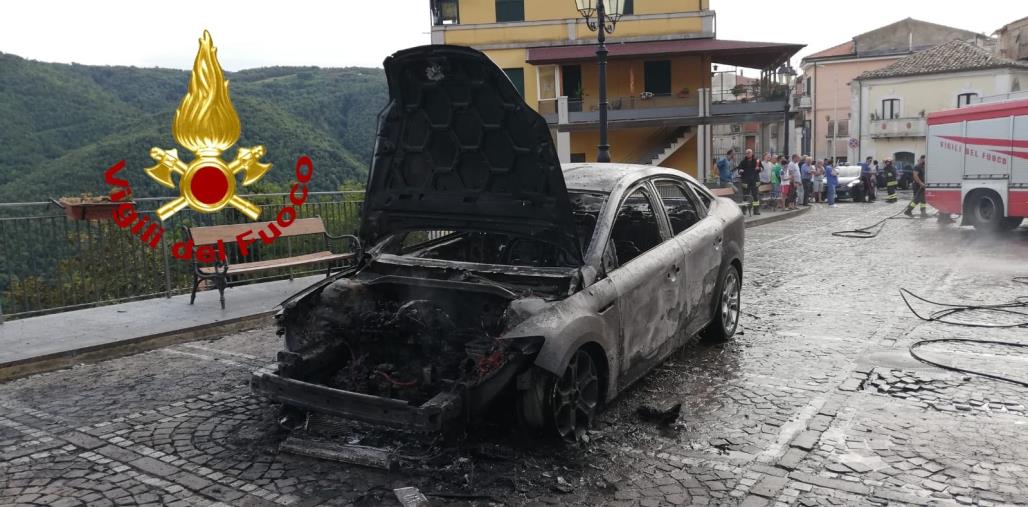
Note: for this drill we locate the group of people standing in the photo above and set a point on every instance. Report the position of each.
(792, 179)
(869, 171)
(802, 179)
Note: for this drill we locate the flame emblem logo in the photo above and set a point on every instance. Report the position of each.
(206, 124)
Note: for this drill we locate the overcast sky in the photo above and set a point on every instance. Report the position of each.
(351, 32)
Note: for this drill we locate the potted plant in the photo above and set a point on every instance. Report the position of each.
(684, 92)
(89, 207)
(576, 99)
(739, 90)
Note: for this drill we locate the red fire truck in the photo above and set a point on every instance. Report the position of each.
(978, 163)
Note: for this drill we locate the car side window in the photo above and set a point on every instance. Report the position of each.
(635, 228)
(702, 195)
(681, 210)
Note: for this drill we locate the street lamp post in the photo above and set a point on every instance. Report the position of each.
(787, 71)
(603, 24)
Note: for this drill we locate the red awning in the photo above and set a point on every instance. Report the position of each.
(755, 55)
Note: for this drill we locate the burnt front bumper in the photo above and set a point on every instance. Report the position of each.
(434, 415)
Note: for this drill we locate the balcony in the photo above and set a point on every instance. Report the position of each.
(898, 127)
(801, 101)
(51, 263)
(658, 111)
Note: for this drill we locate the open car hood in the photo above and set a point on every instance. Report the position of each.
(458, 149)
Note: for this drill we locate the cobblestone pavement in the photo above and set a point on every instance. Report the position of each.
(816, 402)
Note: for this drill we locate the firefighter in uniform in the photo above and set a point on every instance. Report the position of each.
(749, 171)
(890, 180)
(919, 187)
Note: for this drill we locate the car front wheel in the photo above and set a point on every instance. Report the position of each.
(729, 302)
(563, 406)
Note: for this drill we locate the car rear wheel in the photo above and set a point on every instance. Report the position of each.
(726, 315)
(563, 406)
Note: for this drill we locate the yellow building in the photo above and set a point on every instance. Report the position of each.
(658, 73)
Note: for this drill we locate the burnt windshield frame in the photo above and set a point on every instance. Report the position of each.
(394, 245)
(586, 203)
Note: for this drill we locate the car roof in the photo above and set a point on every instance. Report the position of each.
(597, 177)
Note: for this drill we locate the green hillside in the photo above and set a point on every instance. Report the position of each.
(62, 125)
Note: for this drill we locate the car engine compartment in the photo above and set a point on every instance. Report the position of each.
(396, 339)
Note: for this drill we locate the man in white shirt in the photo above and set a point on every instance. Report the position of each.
(765, 175)
(793, 170)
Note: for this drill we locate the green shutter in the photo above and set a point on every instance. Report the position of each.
(517, 76)
(510, 10)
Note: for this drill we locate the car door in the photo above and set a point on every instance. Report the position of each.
(684, 214)
(703, 245)
(646, 278)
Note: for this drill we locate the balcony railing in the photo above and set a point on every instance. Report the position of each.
(899, 127)
(801, 101)
(590, 104)
(50, 263)
(661, 110)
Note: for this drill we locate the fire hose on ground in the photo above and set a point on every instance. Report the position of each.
(943, 315)
(869, 231)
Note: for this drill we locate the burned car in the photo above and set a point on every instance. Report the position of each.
(490, 271)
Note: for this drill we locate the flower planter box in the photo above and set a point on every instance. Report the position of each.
(77, 210)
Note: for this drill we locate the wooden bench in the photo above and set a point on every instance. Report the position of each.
(722, 192)
(764, 194)
(219, 272)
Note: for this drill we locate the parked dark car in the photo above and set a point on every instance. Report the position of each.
(490, 269)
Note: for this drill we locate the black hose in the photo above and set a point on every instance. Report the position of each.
(869, 231)
(963, 370)
(951, 309)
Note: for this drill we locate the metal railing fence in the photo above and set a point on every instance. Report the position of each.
(50, 263)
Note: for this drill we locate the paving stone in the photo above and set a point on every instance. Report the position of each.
(791, 459)
(117, 453)
(753, 501)
(838, 468)
(154, 467)
(769, 487)
(825, 482)
(82, 440)
(806, 440)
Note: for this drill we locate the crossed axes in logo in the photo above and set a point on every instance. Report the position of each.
(247, 161)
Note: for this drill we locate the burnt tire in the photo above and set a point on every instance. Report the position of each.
(727, 307)
(986, 211)
(562, 406)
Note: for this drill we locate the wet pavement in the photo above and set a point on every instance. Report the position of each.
(816, 402)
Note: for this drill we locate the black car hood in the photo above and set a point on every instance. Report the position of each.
(458, 149)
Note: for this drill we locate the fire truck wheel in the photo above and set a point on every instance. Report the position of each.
(986, 211)
(1010, 223)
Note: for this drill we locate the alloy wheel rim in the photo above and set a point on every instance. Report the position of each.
(575, 396)
(730, 302)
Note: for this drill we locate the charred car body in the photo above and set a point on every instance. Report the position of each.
(491, 269)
